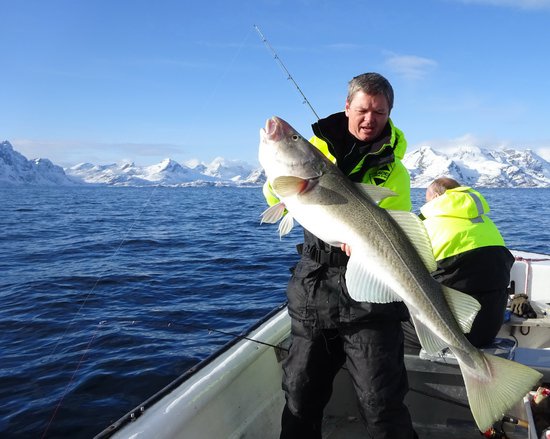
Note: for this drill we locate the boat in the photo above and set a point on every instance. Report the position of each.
(236, 392)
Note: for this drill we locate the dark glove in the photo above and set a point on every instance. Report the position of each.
(520, 306)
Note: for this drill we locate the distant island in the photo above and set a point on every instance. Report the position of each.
(472, 166)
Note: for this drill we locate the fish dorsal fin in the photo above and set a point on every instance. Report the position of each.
(288, 186)
(463, 306)
(376, 193)
(417, 234)
(431, 343)
(363, 285)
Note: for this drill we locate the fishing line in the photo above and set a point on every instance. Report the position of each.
(101, 275)
(179, 325)
(214, 90)
(285, 70)
(58, 405)
(123, 240)
(125, 237)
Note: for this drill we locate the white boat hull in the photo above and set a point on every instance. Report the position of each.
(237, 393)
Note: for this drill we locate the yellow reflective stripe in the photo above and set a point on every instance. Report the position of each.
(477, 202)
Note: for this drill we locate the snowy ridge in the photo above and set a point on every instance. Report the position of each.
(15, 169)
(471, 166)
(220, 172)
(479, 167)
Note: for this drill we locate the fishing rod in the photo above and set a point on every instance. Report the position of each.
(282, 65)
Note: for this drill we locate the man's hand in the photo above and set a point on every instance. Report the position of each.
(346, 249)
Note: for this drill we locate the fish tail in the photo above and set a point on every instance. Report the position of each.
(490, 396)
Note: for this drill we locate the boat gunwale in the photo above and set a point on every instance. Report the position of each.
(140, 409)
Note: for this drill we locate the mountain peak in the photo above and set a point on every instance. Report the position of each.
(15, 169)
(470, 165)
(481, 167)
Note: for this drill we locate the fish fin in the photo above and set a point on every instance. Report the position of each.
(492, 397)
(376, 193)
(463, 306)
(431, 343)
(286, 225)
(415, 230)
(363, 286)
(287, 186)
(273, 214)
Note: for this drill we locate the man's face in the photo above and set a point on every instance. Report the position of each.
(368, 115)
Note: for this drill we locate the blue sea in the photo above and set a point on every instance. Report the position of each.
(109, 293)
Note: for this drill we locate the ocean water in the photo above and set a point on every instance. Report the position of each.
(108, 294)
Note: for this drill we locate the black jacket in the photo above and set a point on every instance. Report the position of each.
(317, 293)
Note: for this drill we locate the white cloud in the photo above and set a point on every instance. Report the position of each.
(410, 66)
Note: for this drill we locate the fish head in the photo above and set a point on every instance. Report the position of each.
(285, 153)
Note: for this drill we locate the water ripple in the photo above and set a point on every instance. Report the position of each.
(110, 293)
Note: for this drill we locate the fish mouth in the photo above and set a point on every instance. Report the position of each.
(272, 130)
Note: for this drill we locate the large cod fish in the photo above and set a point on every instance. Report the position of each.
(391, 260)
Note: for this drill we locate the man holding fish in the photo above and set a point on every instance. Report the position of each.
(347, 309)
(329, 328)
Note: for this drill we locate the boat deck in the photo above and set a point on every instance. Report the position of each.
(352, 428)
(438, 409)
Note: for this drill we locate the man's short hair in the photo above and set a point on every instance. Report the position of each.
(372, 84)
(439, 186)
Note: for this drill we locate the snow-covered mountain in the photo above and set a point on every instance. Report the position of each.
(479, 167)
(220, 172)
(471, 166)
(166, 173)
(15, 169)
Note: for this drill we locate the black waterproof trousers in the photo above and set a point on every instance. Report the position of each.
(373, 354)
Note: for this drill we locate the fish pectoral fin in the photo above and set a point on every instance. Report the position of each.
(431, 343)
(288, 186)
(415, 230)
(273, 214)
(376, 193)
(463, 306)
(286, 225)
(363, 286)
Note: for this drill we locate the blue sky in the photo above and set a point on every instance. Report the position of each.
(104, 81)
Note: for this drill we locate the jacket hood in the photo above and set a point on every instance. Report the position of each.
(461, 202)
(398, 139)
